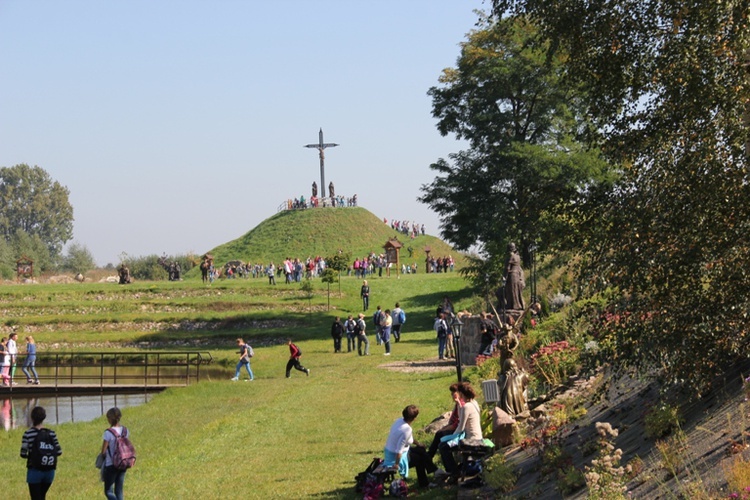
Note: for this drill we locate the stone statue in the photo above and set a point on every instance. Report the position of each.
(330, 190)
(514, 283)
(512, 385)
(315, 189)
(124, 274)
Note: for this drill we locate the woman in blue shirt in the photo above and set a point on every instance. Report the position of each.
(28, 367)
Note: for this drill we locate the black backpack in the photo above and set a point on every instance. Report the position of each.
(42, 455)
(361, 478)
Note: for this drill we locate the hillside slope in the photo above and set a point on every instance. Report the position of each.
(323, 232)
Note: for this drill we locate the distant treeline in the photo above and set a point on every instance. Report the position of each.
(155, 267)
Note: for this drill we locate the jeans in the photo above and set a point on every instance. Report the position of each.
(350, 341)
(397, 332)
(441, 346)
(386, 337)
(337, 344)
(239, 367)
(28, 367)
(365, 302)
(362, 338)
(116, 478)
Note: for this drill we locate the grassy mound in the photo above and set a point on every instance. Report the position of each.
(323, 232)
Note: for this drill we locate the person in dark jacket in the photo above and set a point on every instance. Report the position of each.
(337, 332)
(40, 479)
(294, 355)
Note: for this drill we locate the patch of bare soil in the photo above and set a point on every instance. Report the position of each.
(422, 366)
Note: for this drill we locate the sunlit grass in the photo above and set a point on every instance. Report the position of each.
(272, 438)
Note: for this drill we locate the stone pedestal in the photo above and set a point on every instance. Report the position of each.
(471, 339)
(502, 428)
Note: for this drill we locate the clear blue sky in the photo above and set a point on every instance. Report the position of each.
(180, 125)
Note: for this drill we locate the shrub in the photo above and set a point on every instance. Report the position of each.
(499, 474)
(570, 480)
(559, 300)
(661, 420)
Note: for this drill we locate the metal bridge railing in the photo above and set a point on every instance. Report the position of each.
(136, 368)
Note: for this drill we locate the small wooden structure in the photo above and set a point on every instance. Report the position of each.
(392, 249)
(24, 268)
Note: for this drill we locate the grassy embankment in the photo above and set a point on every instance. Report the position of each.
(273, 438)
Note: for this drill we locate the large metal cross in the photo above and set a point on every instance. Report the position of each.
(320, 146)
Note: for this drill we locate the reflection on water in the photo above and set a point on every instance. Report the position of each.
(16, 412)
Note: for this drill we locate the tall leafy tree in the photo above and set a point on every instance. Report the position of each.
(509, 97)
(30, 201)
(78, 259)
(669, 86)
(31, 246)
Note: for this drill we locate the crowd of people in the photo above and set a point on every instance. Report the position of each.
(441, 264)
(411, 229)
(295, 269)
(303, 203)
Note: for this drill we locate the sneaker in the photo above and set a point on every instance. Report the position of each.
(234, 379)
(387, 354)
(29, 381)
(14, 383)
(308, 372)
(36, 382)
(249, 379)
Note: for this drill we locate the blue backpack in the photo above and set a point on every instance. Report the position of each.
(402, 317)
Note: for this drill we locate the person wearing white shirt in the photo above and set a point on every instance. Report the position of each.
(13, 352)
(398, 450)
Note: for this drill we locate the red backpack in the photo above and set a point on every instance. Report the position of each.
(123, 457)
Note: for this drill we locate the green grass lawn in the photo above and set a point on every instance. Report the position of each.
(273, 438)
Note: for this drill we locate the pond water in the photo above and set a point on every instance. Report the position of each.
(15, 409)
(15, 412)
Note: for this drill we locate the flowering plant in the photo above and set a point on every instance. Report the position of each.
(556, 362)
(742, 495)
(606, 478)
